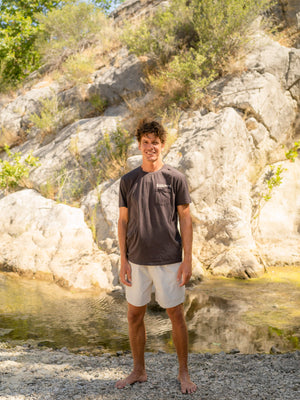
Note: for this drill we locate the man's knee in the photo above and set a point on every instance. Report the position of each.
(135, 315)
(176, 312)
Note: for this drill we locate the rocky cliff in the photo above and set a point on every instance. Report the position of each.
(227, 151)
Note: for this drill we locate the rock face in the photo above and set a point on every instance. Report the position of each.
(291, 9)
(219, 188)
(69, 155)
(279, 220)
(225, 151)
(115, 83)
(40, 237)
(135, 9)
(14, 117)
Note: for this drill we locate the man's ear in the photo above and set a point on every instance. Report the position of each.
(139, 145)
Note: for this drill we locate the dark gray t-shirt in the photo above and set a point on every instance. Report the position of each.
(152, 199)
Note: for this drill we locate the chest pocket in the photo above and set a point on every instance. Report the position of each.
(163, 195)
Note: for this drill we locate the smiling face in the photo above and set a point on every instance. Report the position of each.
(151, 148)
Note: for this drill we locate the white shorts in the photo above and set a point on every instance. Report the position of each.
(168, 293)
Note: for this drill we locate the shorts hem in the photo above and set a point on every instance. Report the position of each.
(174, 303)
(137, 305)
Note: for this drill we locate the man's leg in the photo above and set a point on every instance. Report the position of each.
(137, 337)
(180, 338)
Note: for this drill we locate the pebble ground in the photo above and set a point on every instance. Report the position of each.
(44, 374)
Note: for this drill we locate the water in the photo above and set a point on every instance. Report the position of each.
(222, 314)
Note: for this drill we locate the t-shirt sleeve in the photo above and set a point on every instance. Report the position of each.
(182, 191)
(122, 194)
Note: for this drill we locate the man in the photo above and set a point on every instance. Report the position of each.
(152, 197)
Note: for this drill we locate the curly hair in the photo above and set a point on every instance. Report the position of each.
(147, 125)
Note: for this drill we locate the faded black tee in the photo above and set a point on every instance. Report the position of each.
(152, 198)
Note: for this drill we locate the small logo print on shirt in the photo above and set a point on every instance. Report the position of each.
(162, 185)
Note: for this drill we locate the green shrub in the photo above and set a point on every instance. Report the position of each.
(193, 41)
(78, 68)
(292, 154)
(50, 118)
(98, 103)
(110, 158)
(272, 178)
(71, 29)
(68, 185)
(163, 35)
(14, 171)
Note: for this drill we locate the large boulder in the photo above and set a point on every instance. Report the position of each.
(278, 222)
(101, 209)
(219, 186)
(45, 239)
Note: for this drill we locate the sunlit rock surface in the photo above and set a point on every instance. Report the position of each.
(40, 237)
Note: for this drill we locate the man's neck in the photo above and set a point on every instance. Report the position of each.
(152, 167)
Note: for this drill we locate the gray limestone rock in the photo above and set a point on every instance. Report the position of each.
(40, 237)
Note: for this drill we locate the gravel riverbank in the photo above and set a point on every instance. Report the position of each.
(30, 373)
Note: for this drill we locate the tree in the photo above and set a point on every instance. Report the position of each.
(18, 32)
(28, 7)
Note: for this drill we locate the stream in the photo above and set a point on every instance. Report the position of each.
(249, 316)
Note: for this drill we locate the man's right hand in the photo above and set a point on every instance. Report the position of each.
(125, 273)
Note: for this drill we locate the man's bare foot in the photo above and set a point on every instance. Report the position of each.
(187, 386)
(131, 379)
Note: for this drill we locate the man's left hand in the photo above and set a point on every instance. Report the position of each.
(184, 273)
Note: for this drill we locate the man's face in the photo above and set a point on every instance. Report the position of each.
(151, 147)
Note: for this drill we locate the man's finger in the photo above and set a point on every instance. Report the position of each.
(125, 280)
(183, 282)
(185, 279)
(179, 275)
(128, 274)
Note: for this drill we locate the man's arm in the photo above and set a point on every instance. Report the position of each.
(186, 229)
(125, 269)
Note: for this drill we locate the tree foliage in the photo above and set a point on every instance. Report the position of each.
(20, 29)
(65, 31)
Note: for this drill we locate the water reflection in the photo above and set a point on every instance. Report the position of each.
(251, 316)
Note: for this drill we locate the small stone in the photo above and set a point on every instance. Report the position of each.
(234, 351)
(274, 350)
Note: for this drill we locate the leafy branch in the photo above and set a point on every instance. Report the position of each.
(13, 171)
